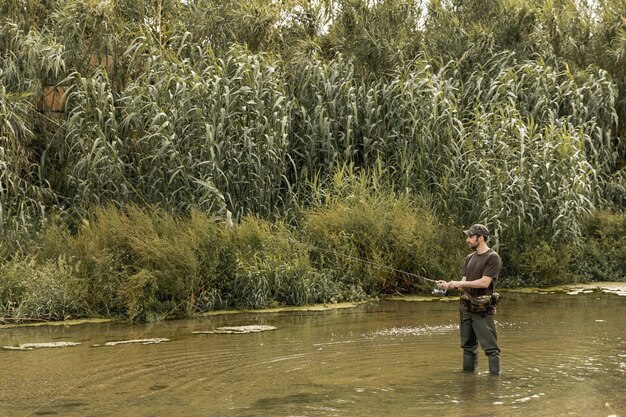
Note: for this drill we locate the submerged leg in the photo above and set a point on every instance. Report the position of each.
(494, 365)
(469, 342)
(485, 329)
(470, 362)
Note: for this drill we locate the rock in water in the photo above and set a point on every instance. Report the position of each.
(31, 346)
(238, 329)
(142, 341)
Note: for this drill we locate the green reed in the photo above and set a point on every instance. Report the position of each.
(509, 117)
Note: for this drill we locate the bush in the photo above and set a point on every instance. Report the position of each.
(603, 252)
(48, 291)
(363, 235)
(354, 241)
(272, 268)
(139, 296)
(598, 255)
(141, 262)
(540, 264)
(175, 259)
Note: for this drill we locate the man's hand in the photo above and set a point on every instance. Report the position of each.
(442, 284)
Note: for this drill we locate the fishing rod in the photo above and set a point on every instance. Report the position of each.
(436, 291)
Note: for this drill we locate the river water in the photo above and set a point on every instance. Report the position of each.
(562, 355)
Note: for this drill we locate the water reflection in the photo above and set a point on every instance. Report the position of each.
(561, 355)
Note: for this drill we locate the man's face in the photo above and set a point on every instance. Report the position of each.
(473, 241)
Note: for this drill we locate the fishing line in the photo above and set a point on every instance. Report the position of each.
(366, 261)
(113, 356)
(80, 381)
(439, 292)
(329, 251)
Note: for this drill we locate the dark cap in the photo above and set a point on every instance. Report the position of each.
(477, 229)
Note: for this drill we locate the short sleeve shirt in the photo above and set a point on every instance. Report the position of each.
(477, 266)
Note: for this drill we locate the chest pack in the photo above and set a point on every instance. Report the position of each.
(480, 303)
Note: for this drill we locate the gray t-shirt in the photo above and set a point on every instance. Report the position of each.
(477, 266)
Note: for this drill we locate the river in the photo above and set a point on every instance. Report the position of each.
(562, 354)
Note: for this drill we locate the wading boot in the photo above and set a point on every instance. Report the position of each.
(494, 365)
(470, 362)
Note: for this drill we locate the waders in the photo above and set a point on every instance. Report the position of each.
(470, 362)
(475, 328)
(494, 365)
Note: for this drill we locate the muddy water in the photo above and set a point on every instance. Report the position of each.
(561, 355)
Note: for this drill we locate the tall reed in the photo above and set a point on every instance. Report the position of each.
(486, 130)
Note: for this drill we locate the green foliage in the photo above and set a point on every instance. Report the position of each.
(139, 263)
(378, 36)
(46, 291)
(148, 265)
(167, 257)
(541, 264)
(598, 255)
(189, 117)
(138, 295)
(510, 112)
(356, 218)
(272, 268)
(603, 248)
(356, 241)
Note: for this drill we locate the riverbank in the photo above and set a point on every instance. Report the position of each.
(147, 265)
(360, 241)
(70, 322)
(616, 288)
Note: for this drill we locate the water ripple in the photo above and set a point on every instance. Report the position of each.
(416, 330)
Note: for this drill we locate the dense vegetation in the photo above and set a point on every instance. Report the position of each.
(166, 157)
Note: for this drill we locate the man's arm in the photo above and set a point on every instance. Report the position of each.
(447, 285)
(483, 282)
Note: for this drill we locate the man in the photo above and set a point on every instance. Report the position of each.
(479, 274)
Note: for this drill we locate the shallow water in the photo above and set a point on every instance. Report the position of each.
(561, 355)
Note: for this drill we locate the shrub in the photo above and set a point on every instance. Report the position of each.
(603, 248)
(48, 291)
(540, 263)
(139, 296)
(208, 241)
(272, 268)
(598, 255)
(363, 235)
(175, 258)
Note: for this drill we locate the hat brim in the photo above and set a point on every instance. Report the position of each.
(468, 233)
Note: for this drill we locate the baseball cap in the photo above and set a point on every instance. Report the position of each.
(477, 229)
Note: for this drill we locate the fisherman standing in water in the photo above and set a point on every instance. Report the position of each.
(479, 274)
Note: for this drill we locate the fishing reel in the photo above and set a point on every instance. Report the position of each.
(439, 292)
